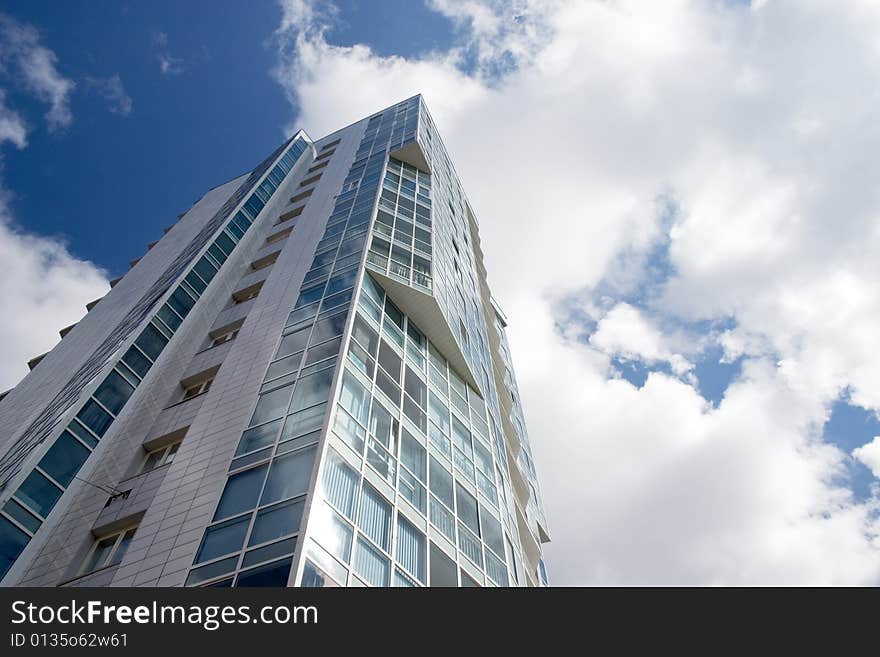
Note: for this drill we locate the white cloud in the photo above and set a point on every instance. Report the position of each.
(112, 90)
(869, 454)
(625, 332)
(755, 123)
(12, 126)
(21, 50)
(45, 288)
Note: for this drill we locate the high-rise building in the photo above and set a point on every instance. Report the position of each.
(305, 381)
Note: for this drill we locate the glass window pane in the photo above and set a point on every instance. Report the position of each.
(303, 422)
(288, 476)
(411, 548)
(412, 491)
(443, 569)
(258, 437)
(224, 538)
(64, 458)
(293, 342)
(441, 482)
(371, 565)
(151, 342)
(332, 532)
(276, 521)
(354, 398)
(240, 493)
(271, 405)
(467, 508)
(492, 533)
(270, 574)
(137, 361)
(114, 392)
(100, 554)
(383, 426)
(271, 551)
(22, 516)
(328, 328)
(38, 493)
(210, 571)
(416, 388)
(340, 483)
(386, 385)
(323, 351)
(311, 390)
(365, 335)
(95, 417)
(412, 454)
(390, 360)
(375, 516)
(12, 542)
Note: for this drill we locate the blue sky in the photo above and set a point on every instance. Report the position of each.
(715, 346)
(187, 131)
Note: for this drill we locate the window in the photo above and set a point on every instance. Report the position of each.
(318, 166)
(197, 388)
(247, 294)
(264, 262)
(290, 215)
(108, 551)
(302, 195)
(226, 336)
(309, 181)
(443, 570)
(280, 235)
(159, 457)
(241, 492)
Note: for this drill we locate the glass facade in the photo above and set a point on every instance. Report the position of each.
(382, 443)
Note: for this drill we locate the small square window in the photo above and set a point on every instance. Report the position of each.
(197, 389)
(108, 550)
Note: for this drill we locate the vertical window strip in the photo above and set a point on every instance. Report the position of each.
(224, 242)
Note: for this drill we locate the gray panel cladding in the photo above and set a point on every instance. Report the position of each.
(49, 418)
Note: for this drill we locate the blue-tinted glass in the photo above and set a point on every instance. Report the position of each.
(211, 570)
(22, 516)
(271, 405)
(258, 437)
(205, 269)
(289, 476)
(241, 492)
(217, 253)
(195, 282)
(277, 521)
(181, 302)
(225, 243)
(64, 458)
(95, 418)
(78, 430)
(171, 319)
(272, 574)
(114, 392)
(254, 205)
(221, 539)
(137, 362)
(38, 493)
(235, 230)
(151, 342)
(12, 542)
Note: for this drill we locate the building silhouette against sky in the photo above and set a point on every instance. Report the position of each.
(306, 381)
